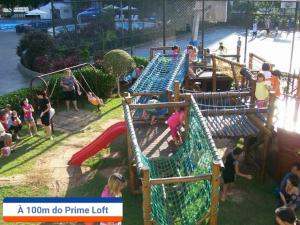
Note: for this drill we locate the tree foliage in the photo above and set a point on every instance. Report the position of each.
(34, 44)
(118, 62)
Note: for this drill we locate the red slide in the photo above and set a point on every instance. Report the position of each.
(99, 143)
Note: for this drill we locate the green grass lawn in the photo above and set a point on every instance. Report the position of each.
(23, 158)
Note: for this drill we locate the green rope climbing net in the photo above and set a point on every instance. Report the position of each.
(184, 203)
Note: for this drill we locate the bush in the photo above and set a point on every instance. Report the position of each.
(15, 98)
(117, 63)
(32, 45)
(140, 61)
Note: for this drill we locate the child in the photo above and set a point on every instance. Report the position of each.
(289, 193)
(16, 125)
(28, 117)
(275, 81)
(192, 52)
(254, 29)
(231, 170)
(115, 184)
(261, 91)
(175, 50)
(266, 71)
(286, 216)
(174, 122)
(222, 49)
(94, 99)
(151, 112)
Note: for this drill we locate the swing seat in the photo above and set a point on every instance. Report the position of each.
(96, 101)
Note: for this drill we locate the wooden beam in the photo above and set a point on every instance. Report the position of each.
(146, 196)
(220, 112)
(209, 95)
(159, 105)
(148, 93)
(187, 99)
(228, 61)
(214, 74)
(178, 180)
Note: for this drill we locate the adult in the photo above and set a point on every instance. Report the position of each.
(239, 46)
(285, 216)
(5, 137)
(254, 29)
(268, 25)
(295, 170)
(68, 84)
(44, 107)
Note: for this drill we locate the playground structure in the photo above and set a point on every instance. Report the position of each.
(181, 185)
(183, 188)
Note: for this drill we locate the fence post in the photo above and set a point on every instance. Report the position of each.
(146, 196)
(298, 86)
(215, 189)
(251, 61)
(214, 74)
(177, 90)
(267, 138)
(187, 99)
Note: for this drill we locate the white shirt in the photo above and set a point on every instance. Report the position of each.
(254, 27)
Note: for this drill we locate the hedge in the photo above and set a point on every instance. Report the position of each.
(101, 84)
(140, 61)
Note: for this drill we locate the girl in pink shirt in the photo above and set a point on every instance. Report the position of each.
(28, 117)
(174, 122)
(115, 184)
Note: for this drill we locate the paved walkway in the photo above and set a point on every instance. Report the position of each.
(11, 78)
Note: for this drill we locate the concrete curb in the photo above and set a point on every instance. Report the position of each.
(27, 72)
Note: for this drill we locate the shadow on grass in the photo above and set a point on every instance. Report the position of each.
(36, 145)
(94, 186)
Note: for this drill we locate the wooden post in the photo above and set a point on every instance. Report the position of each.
(246, 149)
(235, 77)
(187, 99)
(146, 196)
(214, 74)
(215, 189)
(151, 53)
(251, 61)
(205, 56)
(253, 87)
(298, 86)
(177, 91)
(267, 138)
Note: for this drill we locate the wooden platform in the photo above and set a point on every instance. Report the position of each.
(155, 141)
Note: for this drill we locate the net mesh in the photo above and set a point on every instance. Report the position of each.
(160, 74)
(184, 203)
(226, 69)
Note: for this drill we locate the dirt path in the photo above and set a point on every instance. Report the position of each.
(52, 167)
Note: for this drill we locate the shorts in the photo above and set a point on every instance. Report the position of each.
(5, 137)
(70, 95)
(254, 33)
(261, 103)
(29, 119)
(46, 119)
(228, 177)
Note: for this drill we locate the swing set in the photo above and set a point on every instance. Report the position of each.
(91, 96)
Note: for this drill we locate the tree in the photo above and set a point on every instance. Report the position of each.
(34, 44)
(118, 62)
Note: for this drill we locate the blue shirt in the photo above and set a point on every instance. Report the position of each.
(283, 184)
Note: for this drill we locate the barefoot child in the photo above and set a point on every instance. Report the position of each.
(174, 122)
(16, 125)
(113, 189)
(28, 118)
(289, 193)
(151, 112)
(231, 170)
(261, 91)
(95, 100)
